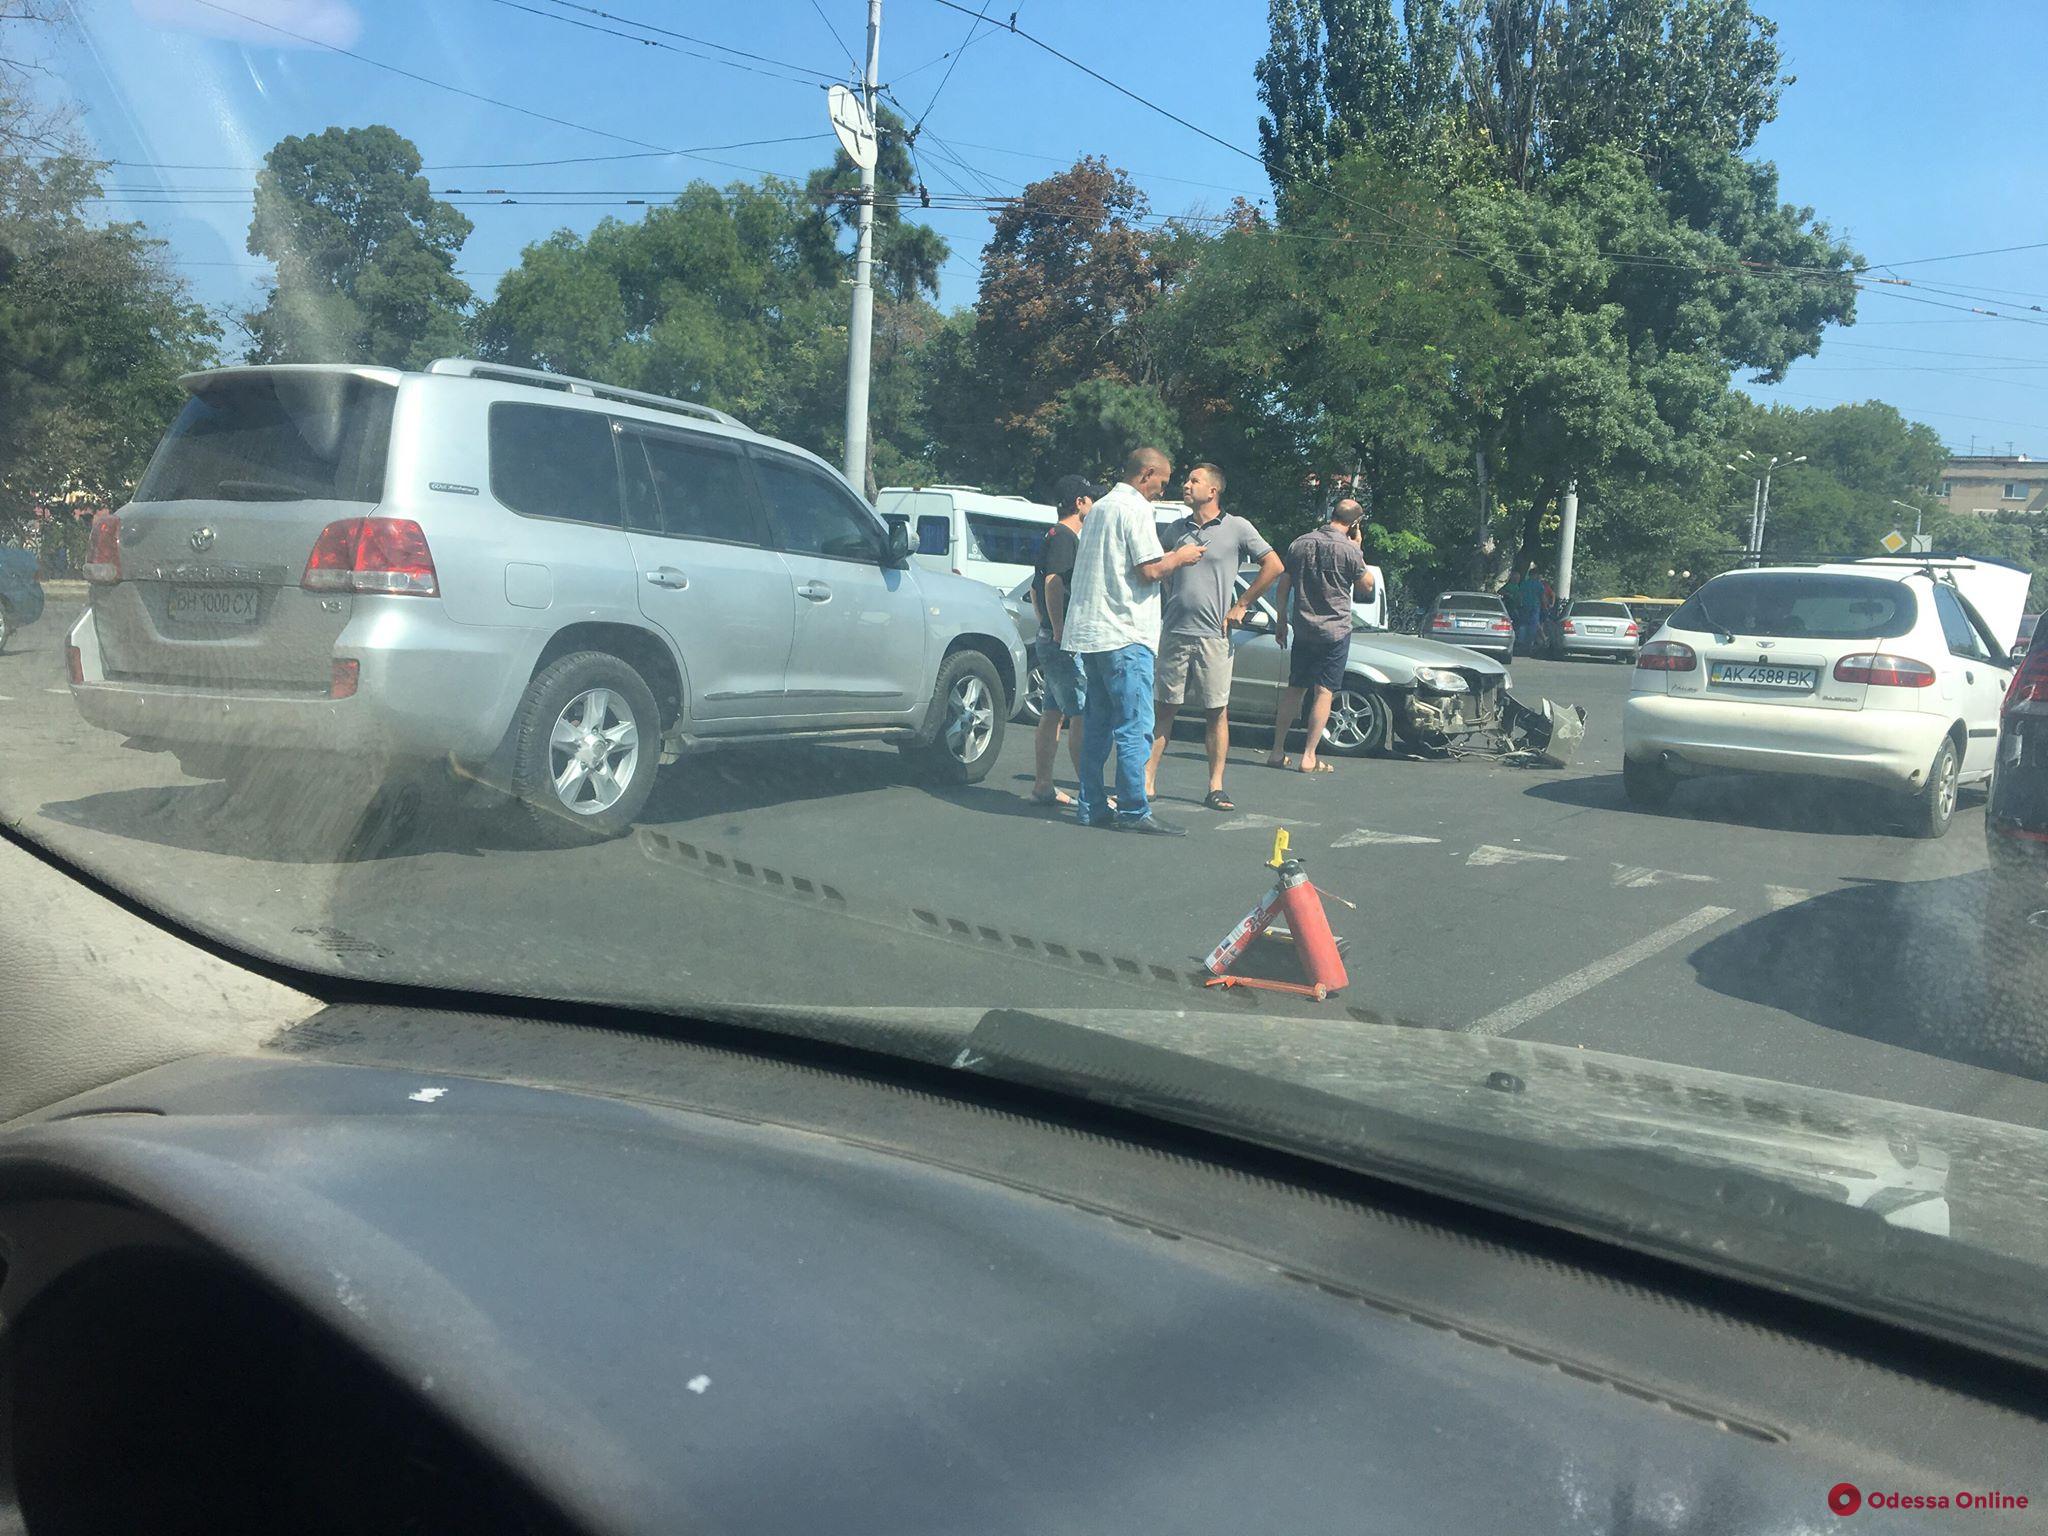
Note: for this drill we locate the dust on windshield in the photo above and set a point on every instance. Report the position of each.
(439, 539)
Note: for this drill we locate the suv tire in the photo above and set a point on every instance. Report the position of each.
(590, 712)
(969, 700)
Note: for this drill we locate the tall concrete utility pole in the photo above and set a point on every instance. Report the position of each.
(861, 333)
(1567, 540)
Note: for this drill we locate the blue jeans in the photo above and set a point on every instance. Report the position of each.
(1117, 713)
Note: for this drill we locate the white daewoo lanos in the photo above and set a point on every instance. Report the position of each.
(1883, 672)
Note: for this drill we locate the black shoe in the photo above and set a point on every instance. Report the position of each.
(1152, 826)
(1102, 824)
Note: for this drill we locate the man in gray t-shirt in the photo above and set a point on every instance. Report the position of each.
(1194, 643)
(1325, 569)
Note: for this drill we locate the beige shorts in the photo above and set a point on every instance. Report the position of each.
(1194, 670)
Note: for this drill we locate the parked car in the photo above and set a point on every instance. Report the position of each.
(965, 531)
(2026, 634)
(1601, 627)
(1477, 621)
(553, 583)
(21, 594)
(1882, 672)
(2014, 1026)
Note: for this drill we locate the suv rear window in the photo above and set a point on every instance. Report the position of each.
(1003, 540)
(551, 462)
(1469, 602)
(282, 437)
(1800, 605)
(1599, 611)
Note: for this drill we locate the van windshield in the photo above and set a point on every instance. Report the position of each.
(285, 437)
(1804, 605)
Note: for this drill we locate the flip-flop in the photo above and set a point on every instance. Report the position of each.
(1053, 796)
(1320, 767)
(1218, 801)
(1280, 762)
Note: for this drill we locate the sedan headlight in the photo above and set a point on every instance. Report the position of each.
(1440, 680)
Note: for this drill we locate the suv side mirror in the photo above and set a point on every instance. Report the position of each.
(896, 553)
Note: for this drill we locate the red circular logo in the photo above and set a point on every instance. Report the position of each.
(1844, 1499)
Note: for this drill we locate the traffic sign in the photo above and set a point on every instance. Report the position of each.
(1893, 542)
(855, 128)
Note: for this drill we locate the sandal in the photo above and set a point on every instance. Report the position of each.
(1219, 801)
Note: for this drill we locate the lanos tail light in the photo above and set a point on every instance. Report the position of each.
(1667, 656)
(1884, 670)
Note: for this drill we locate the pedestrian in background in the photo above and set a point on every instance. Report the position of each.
(1197, 616)
(1051, 586)
(1528, 608)
(1324, 568)
(1112, 624)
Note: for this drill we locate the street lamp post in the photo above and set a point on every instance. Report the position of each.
(1910, 508)
(1760, 508)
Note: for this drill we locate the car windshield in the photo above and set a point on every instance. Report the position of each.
(1799, 605)
(501, 510)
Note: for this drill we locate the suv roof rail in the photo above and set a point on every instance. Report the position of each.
(475, 368)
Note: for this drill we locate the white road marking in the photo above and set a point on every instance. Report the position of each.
(6, 698)
(1782, 896)
(1365, 837)
(1260, 823)
(1487, 854)
(427, 1095)
(1636, 877)
(1514, 1015)
(64, 691)
(698, 1384)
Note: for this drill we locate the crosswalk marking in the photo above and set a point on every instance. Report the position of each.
(1366, 837)
(1258, 822)
(1782, 896)
(1488, 854)
(1636, 877)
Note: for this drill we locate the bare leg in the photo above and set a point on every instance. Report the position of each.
(1162, 727)
(1045, 745)
(1318, 717)
(1290, 707)
(1217, 740)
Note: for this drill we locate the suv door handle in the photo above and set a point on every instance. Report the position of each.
(668, 576)
(816, 591)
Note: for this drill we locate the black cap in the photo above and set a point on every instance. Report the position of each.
(1073, 488)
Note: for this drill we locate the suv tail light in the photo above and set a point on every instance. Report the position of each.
(1884, 669)
(1667, 656)
(372, 554)
(103, 558)
(343, 677)
(2030, 682)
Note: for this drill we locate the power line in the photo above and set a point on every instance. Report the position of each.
(1917, 261)
(843, 48)
(655, 42)
(702, 42)
(973, 27)
(1121, 90)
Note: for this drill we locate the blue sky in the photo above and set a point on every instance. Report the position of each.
(1912, 129)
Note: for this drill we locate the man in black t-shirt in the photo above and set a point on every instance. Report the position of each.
(1065, 688)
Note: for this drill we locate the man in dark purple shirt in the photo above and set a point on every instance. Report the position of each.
(1325, 567)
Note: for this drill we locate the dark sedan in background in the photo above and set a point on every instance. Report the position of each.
(2014, 1029)
(21, 594)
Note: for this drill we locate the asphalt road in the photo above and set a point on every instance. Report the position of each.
(1755, 928)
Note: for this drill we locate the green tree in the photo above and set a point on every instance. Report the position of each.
(907, 256)
(365, 253)
(1068, 268)
(94, 332)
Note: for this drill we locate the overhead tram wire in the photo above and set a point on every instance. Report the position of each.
(655, 42)
(852, 62)
(443, 85)
(973, 27)
(824, 76)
